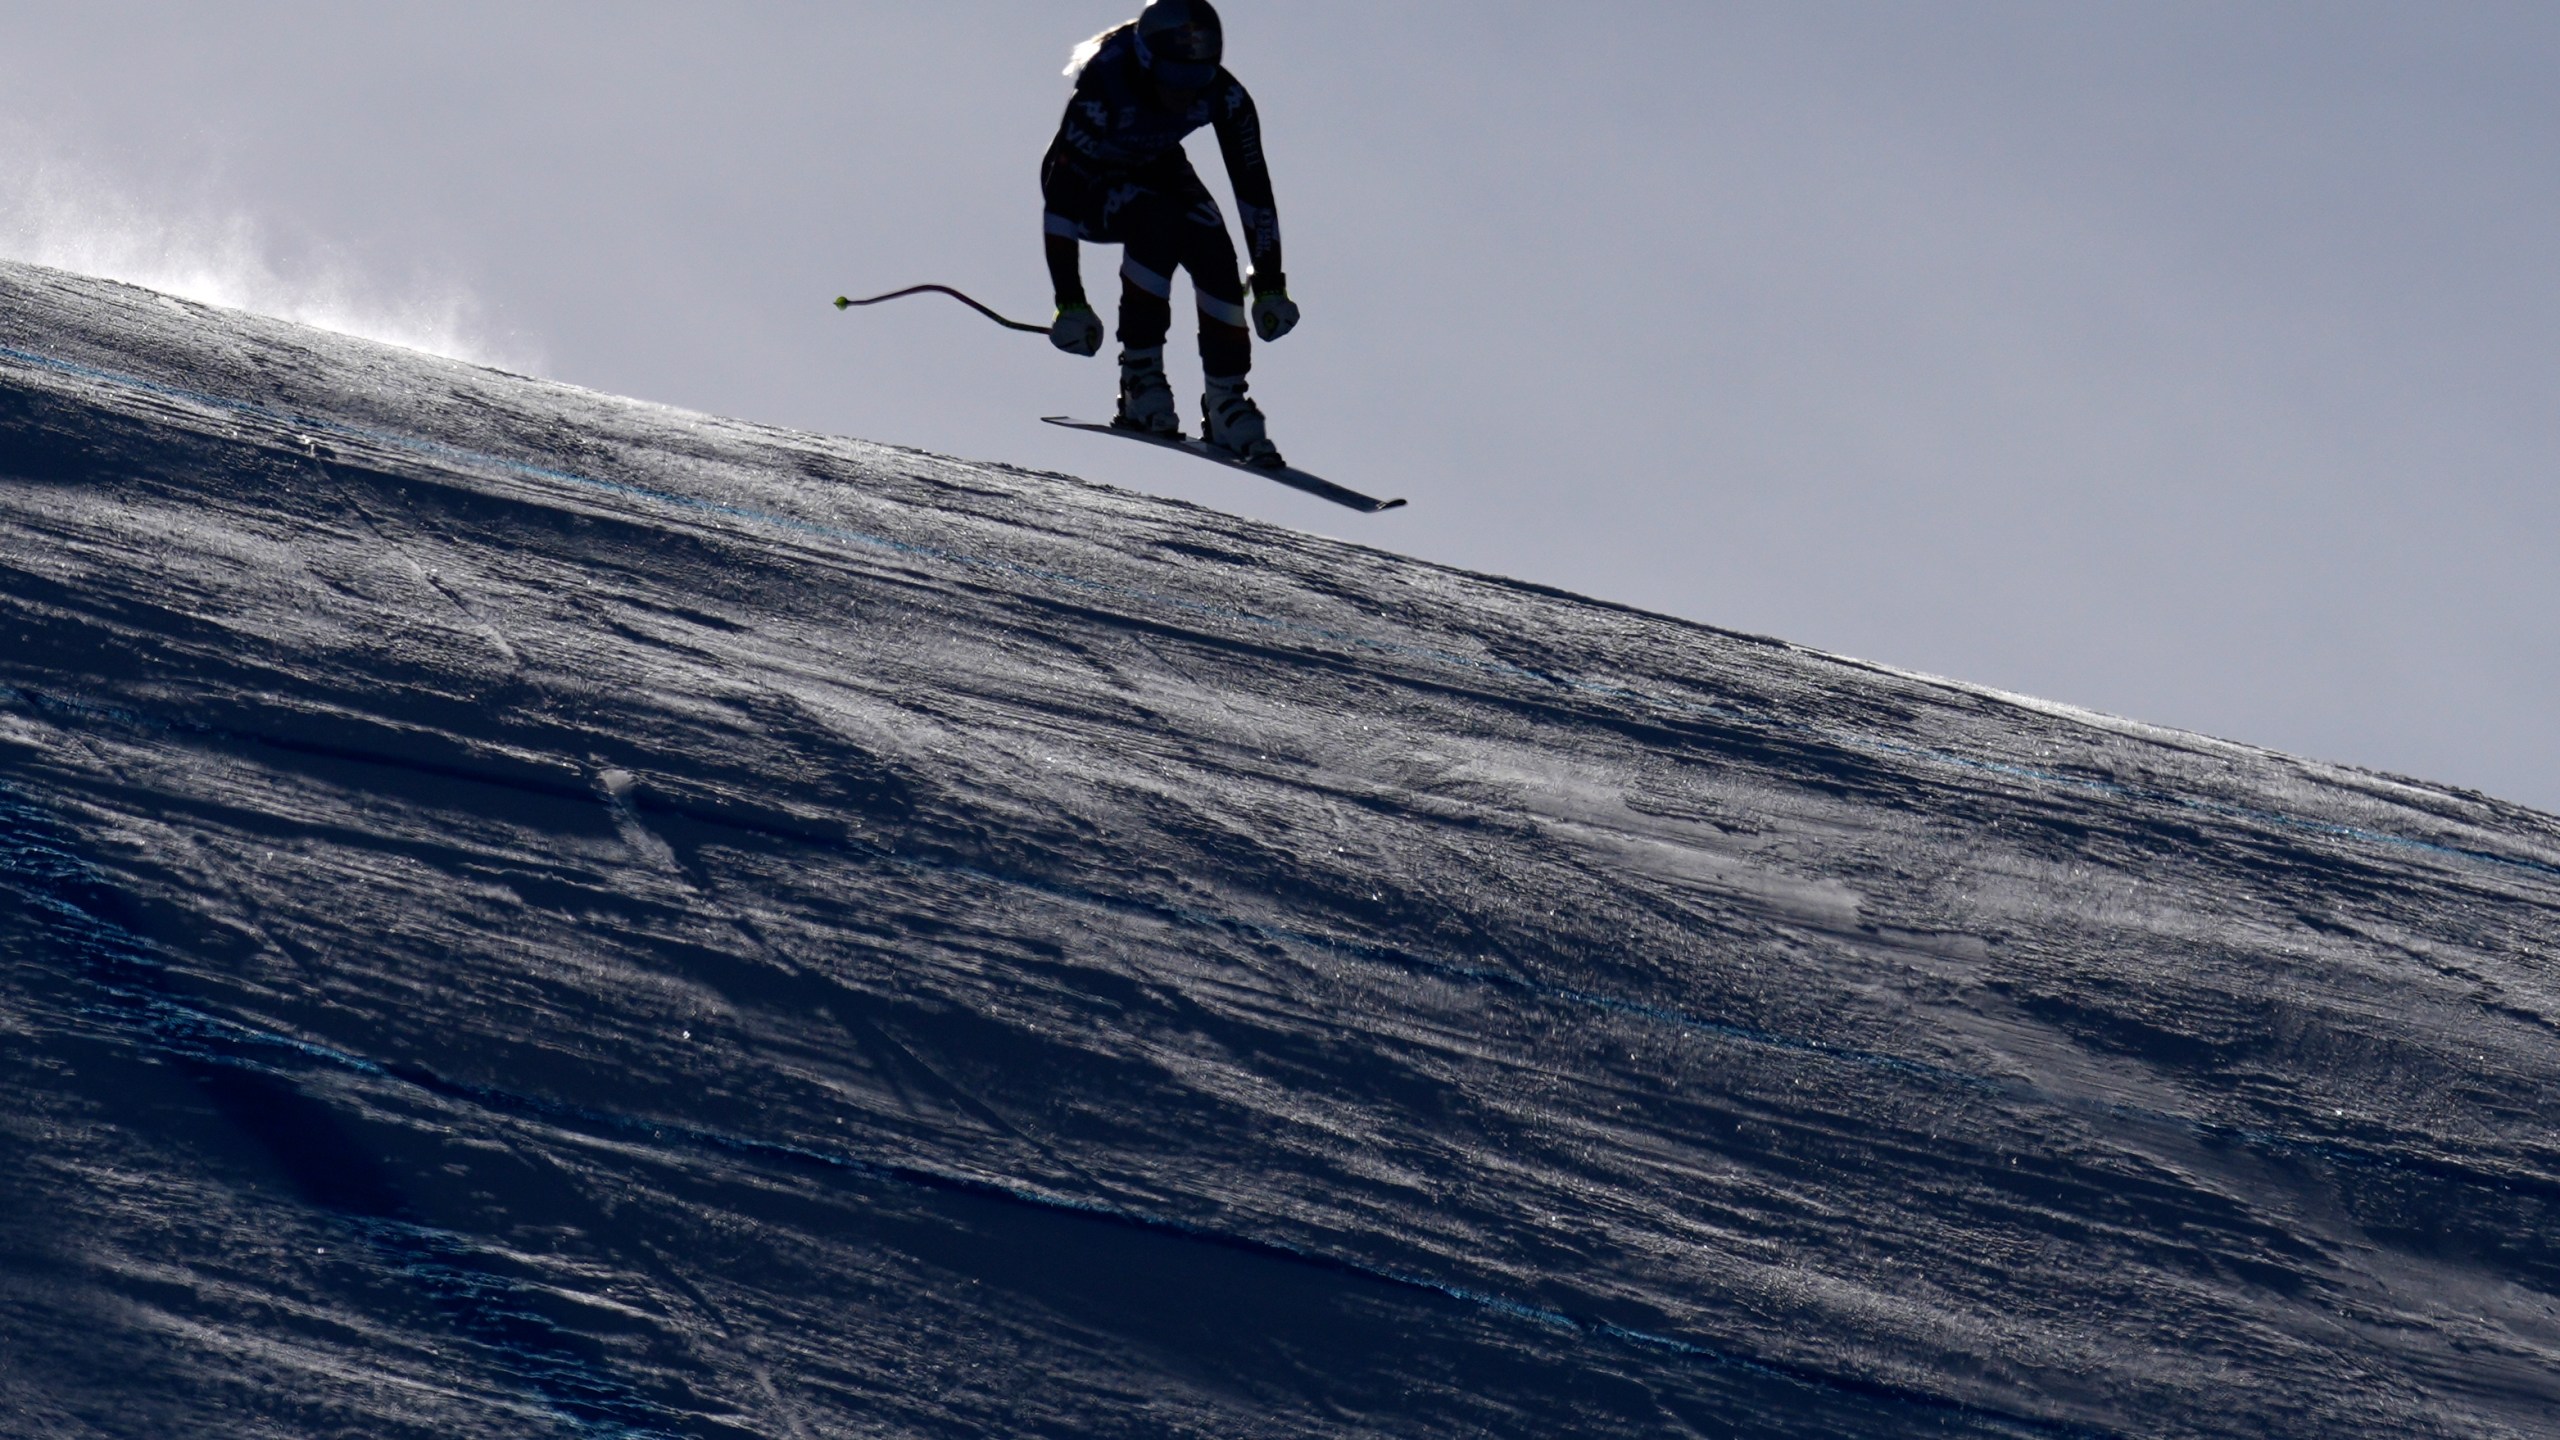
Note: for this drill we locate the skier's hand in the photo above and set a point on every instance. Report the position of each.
(1274, 313)
(1077, 330)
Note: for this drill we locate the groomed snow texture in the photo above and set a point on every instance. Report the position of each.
(526, 913)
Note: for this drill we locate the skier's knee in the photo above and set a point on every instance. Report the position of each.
(1219, 310)
(1154, 280)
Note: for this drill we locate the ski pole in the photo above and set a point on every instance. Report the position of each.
(843, 303)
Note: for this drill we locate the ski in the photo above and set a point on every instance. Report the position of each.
(1295, 479)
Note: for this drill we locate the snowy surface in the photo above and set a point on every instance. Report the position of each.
(527, 913)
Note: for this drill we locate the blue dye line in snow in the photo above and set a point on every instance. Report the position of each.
(452, 454)
(166, 1025)
(439, 450)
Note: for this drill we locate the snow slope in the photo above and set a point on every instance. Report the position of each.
(529, 913)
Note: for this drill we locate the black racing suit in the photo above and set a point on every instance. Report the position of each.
(1117, 175)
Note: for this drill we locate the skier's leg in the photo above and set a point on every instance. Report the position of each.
(1228, 419)
(1152, 250)
(1209, 254)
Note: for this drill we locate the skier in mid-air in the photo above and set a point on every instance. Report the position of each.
(1117, 175)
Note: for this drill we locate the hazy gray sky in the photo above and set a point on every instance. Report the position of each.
(2193, 361)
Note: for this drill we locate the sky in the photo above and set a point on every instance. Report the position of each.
(2189, 361)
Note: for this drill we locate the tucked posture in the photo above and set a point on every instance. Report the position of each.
(1117, 175)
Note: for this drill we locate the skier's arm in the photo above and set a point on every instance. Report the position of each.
(1240, 140)
(1066, 266)
(1066, 263)
(1077, 330)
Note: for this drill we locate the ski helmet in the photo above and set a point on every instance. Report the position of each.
(1179, 43)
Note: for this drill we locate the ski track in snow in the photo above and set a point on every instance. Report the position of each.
(542, 913)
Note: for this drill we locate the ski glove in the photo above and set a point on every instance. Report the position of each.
(1077, 330)
(1274, 313)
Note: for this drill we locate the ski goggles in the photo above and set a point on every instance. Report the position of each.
(1186, 60)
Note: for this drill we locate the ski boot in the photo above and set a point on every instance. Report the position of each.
(1232, 423)
(1146, 397)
